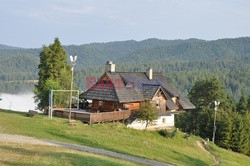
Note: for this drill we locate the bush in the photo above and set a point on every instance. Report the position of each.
(168, 134)
(186, 136)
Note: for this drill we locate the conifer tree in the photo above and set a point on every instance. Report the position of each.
(242, 105)
(240, 135)
(224, 128)
(54, 73)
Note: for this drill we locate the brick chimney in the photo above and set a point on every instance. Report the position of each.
(110, 66)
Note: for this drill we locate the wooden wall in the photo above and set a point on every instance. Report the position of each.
(106, 105)
(132, 106)
(110, 105)
(160, 100)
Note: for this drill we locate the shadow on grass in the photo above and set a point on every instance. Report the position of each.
(187, 160)
(54, 158)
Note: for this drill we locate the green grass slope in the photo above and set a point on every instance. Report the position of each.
(116, 137)
(24, 154)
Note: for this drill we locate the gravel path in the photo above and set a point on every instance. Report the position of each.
(35, 141)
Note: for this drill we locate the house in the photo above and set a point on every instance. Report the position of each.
(126, 91)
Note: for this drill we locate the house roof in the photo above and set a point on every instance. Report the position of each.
(142, 89)
(149, 91)
(185, 103)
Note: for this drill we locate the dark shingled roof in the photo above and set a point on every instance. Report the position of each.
(149, 91)
(100, 94)
(185, 103)
(171, 105)
(143, 89)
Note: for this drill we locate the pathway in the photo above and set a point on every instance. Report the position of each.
(201, 145)
(35, 141)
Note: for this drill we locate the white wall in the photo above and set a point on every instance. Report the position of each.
(169, 122)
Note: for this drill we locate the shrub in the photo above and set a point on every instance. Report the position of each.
(168, 134)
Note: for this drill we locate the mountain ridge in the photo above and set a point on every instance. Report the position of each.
(181, 61)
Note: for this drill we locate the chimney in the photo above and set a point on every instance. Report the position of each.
(150, 73)
(110, 67)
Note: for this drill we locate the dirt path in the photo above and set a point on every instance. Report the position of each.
(201, 145)
(35, 141)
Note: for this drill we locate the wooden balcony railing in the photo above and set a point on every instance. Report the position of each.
(89, 117)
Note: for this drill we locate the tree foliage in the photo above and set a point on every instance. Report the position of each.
(242, 106)
(231, 123)
(54, 73)
(147, 113)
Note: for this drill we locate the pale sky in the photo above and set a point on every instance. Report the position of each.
(33, 23)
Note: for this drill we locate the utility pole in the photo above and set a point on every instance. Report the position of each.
(73, 62)
(216, 105)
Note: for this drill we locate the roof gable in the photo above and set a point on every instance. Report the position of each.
(142, 89)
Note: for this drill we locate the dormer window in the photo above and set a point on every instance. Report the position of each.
(130, 85)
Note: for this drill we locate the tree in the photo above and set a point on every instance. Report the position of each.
(147, 113)
(242, 105)
(202, 95)
(248, 103)
(225, 124)
(240, 134)
(206, 91)
(232, 125)
(54, 73)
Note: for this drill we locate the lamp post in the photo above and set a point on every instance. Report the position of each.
(73, 63)
(216, 105)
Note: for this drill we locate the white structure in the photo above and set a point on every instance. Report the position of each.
(161, 122)
(110, 66)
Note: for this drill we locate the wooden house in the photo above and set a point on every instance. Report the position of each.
(125, 91)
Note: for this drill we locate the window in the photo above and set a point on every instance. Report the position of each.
(157, 103)
(115, 104)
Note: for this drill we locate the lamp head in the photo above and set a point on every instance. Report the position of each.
(73, 59)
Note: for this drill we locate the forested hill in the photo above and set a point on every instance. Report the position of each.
(7, 47)
(181, 61)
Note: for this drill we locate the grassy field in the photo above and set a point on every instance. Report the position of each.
(228, 157)
(24, 154)
(116, 137)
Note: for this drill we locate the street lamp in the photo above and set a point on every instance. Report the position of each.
(73, 63)
(216, 105)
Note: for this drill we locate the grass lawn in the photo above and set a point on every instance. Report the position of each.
(113, 136)
(24, 154)
(228, 157)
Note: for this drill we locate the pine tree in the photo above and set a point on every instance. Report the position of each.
(224, 128)
(242, 105)
(248, 104)
(54, 73)
(240, 135)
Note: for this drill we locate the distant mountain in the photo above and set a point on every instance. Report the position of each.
(8, 47)
(181, 61)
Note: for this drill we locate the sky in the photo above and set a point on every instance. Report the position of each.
(33, 23)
